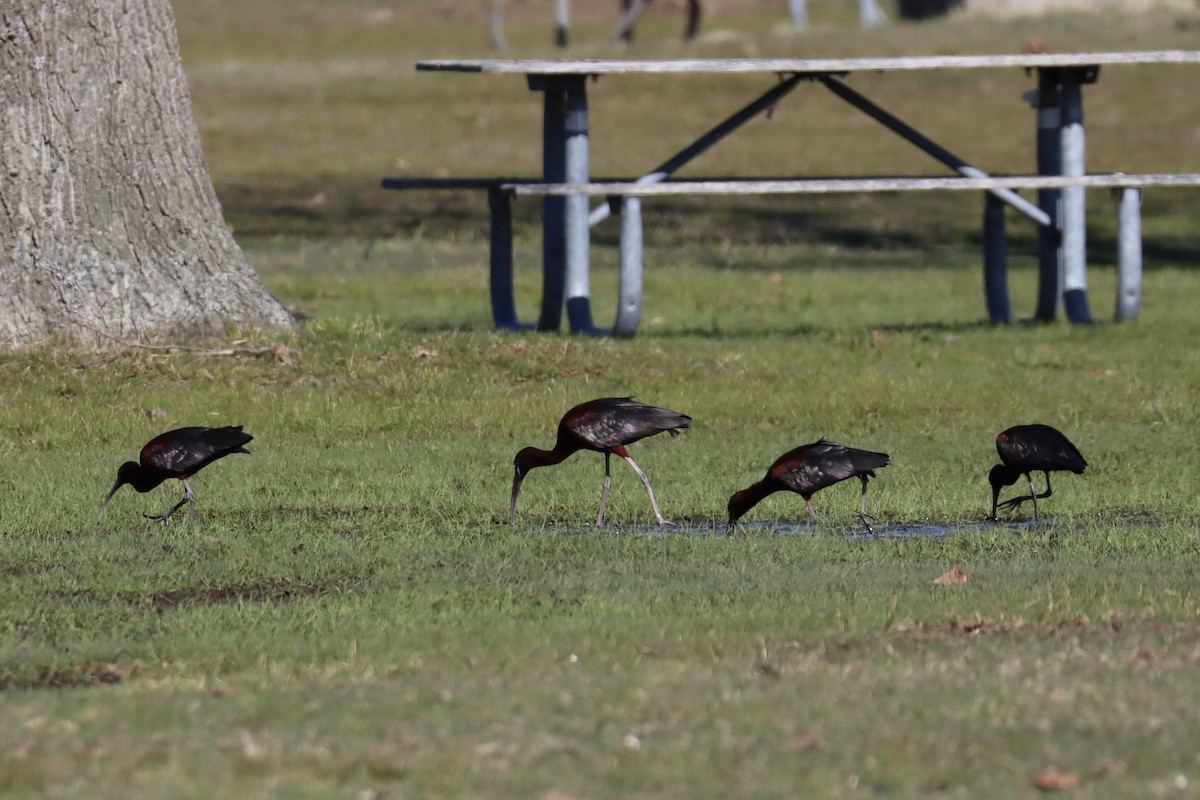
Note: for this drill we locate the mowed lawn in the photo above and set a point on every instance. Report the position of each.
(351, 614)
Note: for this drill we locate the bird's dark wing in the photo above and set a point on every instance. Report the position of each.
(613, 421)
(1038, 447)
(185, 450)
(812, 467)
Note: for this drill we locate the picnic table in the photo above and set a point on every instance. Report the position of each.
(566, 184)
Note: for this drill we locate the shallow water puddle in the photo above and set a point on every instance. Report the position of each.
(888, 530)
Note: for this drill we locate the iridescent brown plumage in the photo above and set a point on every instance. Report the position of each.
(605, 425)
(808, 469)
(1025, 449)
(180, 453)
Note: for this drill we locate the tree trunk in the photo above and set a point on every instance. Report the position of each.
(109, 224)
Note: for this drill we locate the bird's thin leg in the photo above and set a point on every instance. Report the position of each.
(646, 482)
(862, 506)
(1033, 493)
(1049, 491)
(1035, 496)
(190, 496)
(812, 512)
(607, 484)
(165, 517)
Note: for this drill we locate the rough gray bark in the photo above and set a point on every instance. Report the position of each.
(109, 223)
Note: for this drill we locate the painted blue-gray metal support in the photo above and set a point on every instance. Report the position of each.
(870, 14)
(995, 260)
(906, 131)
(1049, 162)
(578, 302)
(765, 101)
(562, 22)
(554, 242)
(799, 9)
(504, 306)
(629, 293)
(1129, 255)
(1074, 209)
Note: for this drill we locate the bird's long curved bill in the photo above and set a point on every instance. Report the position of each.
(512, 504)
(104, 505)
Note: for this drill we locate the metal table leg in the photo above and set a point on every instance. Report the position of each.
(629, 300)
(1049, 162)
(554, 247)
(565, 233)
(1129, 260)
(1074, 209)
(504, 305)
(995, 260)
(576, 226)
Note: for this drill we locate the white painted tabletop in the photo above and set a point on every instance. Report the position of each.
(803, 65)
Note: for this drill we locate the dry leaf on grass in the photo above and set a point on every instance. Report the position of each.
(954, 577)
(812, 740)
(1053, 779)
(1145, 655)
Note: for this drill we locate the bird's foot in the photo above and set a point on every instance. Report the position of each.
(1014, 502)
(164, 518)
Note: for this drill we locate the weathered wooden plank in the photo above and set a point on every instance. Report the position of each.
(448, 183)
(843, 185)
(804, 66)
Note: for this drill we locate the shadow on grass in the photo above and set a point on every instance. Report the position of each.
(267, 590)
(335, 208)
(159, 601)
(717, 331)
(64, 677)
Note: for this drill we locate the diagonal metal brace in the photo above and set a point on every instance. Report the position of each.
(912, 135)
(765, 102)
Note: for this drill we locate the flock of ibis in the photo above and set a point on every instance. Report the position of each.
(607, 425)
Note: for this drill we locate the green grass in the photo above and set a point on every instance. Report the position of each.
(351, 614)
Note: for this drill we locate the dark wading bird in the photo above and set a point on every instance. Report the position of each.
(605, 426)
(178, 454)
(1025, 449)
(807, 470)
